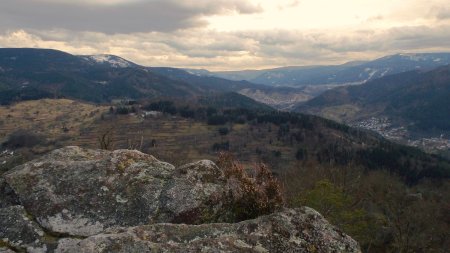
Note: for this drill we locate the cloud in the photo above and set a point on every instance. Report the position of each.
(117, 16)
(174, 32)
(375, 18)
(442, 13)
(87, 2)
(242, 49)
(288, 4)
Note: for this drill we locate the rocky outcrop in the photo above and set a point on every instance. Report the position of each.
(79, 200)
(291, 230)
(83, 192)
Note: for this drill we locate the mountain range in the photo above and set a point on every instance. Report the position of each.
(416, 97)
(37, 73)
(348, 73)
(302, 83)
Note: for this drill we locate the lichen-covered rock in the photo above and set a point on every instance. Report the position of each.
(292, 230)
(19, 232)
(82, 192)
(5, 250)
(195, 195)
(7, 195)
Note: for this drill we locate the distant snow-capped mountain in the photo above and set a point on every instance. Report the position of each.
(349, 73)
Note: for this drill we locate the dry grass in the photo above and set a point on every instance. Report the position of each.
(50, 117)
(176, 140)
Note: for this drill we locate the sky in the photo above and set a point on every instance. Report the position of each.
(229, 34)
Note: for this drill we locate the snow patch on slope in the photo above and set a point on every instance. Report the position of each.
(386, 71)
(370, 72)
(112, 60)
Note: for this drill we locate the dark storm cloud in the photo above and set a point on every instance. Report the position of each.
(131, 17)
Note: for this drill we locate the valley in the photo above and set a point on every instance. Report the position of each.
(411, 107)
(439, 144)
(286, 98)
(284, 88)
(106, 102)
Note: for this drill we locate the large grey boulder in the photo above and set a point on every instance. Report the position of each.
(292, 230)
(82, 192)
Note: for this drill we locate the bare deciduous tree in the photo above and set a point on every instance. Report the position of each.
(106, 139)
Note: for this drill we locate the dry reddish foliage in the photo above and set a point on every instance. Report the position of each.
(254, 191)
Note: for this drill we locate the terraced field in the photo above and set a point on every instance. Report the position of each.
(50, 117)
(174, 139)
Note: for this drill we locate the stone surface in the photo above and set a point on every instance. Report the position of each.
(7, 195)
(292, 230)
(5, 250)
(18, 231)
(82, 192)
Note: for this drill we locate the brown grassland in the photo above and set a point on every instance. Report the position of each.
(64, 122)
